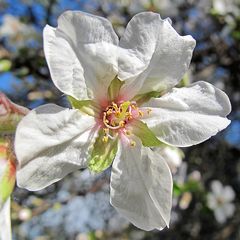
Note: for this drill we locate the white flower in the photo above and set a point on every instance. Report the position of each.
(110, 80)
(220, 201)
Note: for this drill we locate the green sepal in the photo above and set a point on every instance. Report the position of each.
(185, 81)
(103, 153)
(147, 137)
(142, 98)
(87, 106)
(114, 88)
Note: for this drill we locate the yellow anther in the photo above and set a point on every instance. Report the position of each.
(149, 110)
(121, 123)
(120, 107)
(115, 106)
(133, 106)
(128, 114)
(128, 132)
(109, 111)
(106, 130)
(105, 139)
(132, 143)
(140, 113)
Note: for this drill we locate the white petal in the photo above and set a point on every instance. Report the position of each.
(217, 188)
(189, 115)
(5, 221)
(229, 209)
(141, 187)
(154, 56)
(212, 201)
(228, 194)
(51, 142)
(220, 215)
(81, 53)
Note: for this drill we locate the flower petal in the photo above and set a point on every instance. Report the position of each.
(141, 187)
(219, 214)
(51, 142)
(217, 188)
(212, 201)
(81, 54)
(154, 57)
(5, 221)
(229, 209)
(188, 115)
(228, 194)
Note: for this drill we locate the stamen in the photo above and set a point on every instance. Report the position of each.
(129, 115)
(128, 132)
(132, 143)
(133, 106)
(115, 106)
(117, 116)
(109, 111)
(121, 123)
(106, 131)
(105, 139)
(149, 110)
(140, 113)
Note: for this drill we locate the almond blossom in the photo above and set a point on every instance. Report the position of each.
(123, 102)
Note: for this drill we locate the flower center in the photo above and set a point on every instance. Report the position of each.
(117, 116)
(220, 201)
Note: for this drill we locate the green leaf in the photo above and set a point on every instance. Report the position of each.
(87, 106)
(177, 190)
(103, 153)
(114, 88)
(142, 98)
(91, 236)
(236, 35)
(147, 137)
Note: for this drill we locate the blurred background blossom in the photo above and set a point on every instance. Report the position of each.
(78, 206)
(220, 201)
